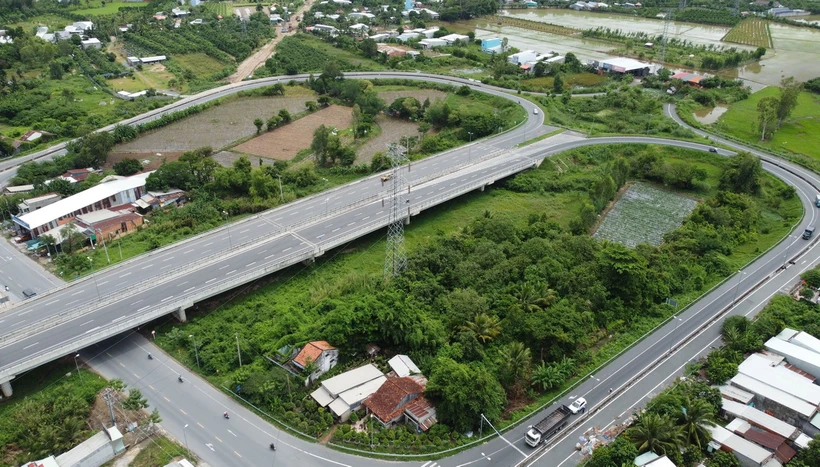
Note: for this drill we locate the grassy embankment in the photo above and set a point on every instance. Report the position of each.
(800, 134)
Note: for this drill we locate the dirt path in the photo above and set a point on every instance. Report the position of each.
(256, 60)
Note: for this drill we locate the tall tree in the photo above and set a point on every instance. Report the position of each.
(464, 392)
(789, 91)
(485, 327)
(742, 174)
(767, 116)
(693, 419)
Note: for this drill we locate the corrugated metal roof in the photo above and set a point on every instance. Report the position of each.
(82, 199)
(776, 395)
(403, 365)
(358, 394)
(805, 340)
(322, 397)
(759, 418)
(736, 394)
(794, 353)
(734, 442)
(350, 379)
(780, 377)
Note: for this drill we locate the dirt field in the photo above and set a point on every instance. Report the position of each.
(392, 130)
(215, 127)
(154, 158)
(283, 143)
(227, 158)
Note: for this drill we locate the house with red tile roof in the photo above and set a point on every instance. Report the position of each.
(388, 403)
(320, 353)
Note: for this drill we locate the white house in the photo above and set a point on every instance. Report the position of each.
(358, 16)
(522, 57)
(83, 25)
(344, 393)
(408, 35)
(403, 365)
(102, 196)
(323, 355)
(452, 38)
(323, 28)
(359, 28)
(92, 42)
(430, 43)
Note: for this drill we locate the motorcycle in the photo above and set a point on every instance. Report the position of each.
(150, 357)
(272, 446)
(180, 378)
(226, 415)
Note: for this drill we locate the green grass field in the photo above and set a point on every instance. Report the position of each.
(199, 64)
(800, 134)
(53, 22)
(751, 31)
(96, 8)
(575, 79)
(219, 8)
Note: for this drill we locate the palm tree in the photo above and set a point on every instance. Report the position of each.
(694, 418)
(515, 359)
(547, 376)
(656, 433)
(485, 327)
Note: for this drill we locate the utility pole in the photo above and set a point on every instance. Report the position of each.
(281, 193)
(196, 352)
(78, 367)
(109, 401)
(238, 352)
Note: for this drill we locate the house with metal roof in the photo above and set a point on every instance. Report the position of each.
(801, 339)
(748, 453)
(768, 440)
(798, 356)
(403, 366)
(759, 419)
(102, 196)
(784, 406)
(344, 393)
(777, 375)
(321, 354)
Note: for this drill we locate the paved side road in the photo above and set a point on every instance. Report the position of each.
(18, 272)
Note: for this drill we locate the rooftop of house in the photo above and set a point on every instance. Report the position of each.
(311, 351)
(385, 403)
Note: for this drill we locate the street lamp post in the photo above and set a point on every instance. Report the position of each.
(281, 193)
(230, 240)
(186, 438)
(326, 200)
(119, 244)
(788, 248)
(78, 366)
(470, 147)
(104, 246)
(95, 277)
(196, 352)
(740, 276)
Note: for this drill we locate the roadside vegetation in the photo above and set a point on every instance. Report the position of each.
(465, 305)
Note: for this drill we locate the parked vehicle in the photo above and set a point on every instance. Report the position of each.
(808, 232)
(28, 293)
(548, 427)
(578, 404)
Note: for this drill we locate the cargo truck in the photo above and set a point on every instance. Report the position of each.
(548, 427)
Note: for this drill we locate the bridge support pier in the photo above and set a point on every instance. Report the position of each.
(6, 388)
(309, 261)
(180, 315)
(482, 188)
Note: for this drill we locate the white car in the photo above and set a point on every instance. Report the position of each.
(577, 405)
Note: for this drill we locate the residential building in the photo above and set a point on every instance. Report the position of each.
(387, 404)
(33, 204)
(800, 339)
(78, 175)
(430, 43)
(408, 35)
(421, 414)
(492, 45)
(796, 355)
(768, 440)
(391, 50)
(83, 26)
(30, 139)
(324, 29)
(344, 393)
(735, 394)
(522, 57)
(92, 42)
(358, 29)
(622, 65)
(13, 190)
(759, 419)
(103, 196)
(359, 16)
(748, 453)
(323, 355)
(782, 405)
(403, 366)
(773, 370)
(178, 12)
(691, 79)
(452, 38)
(157, 200)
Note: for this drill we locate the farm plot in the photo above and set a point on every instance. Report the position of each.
(643, 215)
(216, 127)
(751, 31)
(391, 130)
(283, 143)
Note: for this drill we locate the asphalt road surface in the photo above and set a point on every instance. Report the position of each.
(18, 272)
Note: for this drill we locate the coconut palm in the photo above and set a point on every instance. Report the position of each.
(485, 327)
(515, 359)
(694, 418)
(656, 433)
